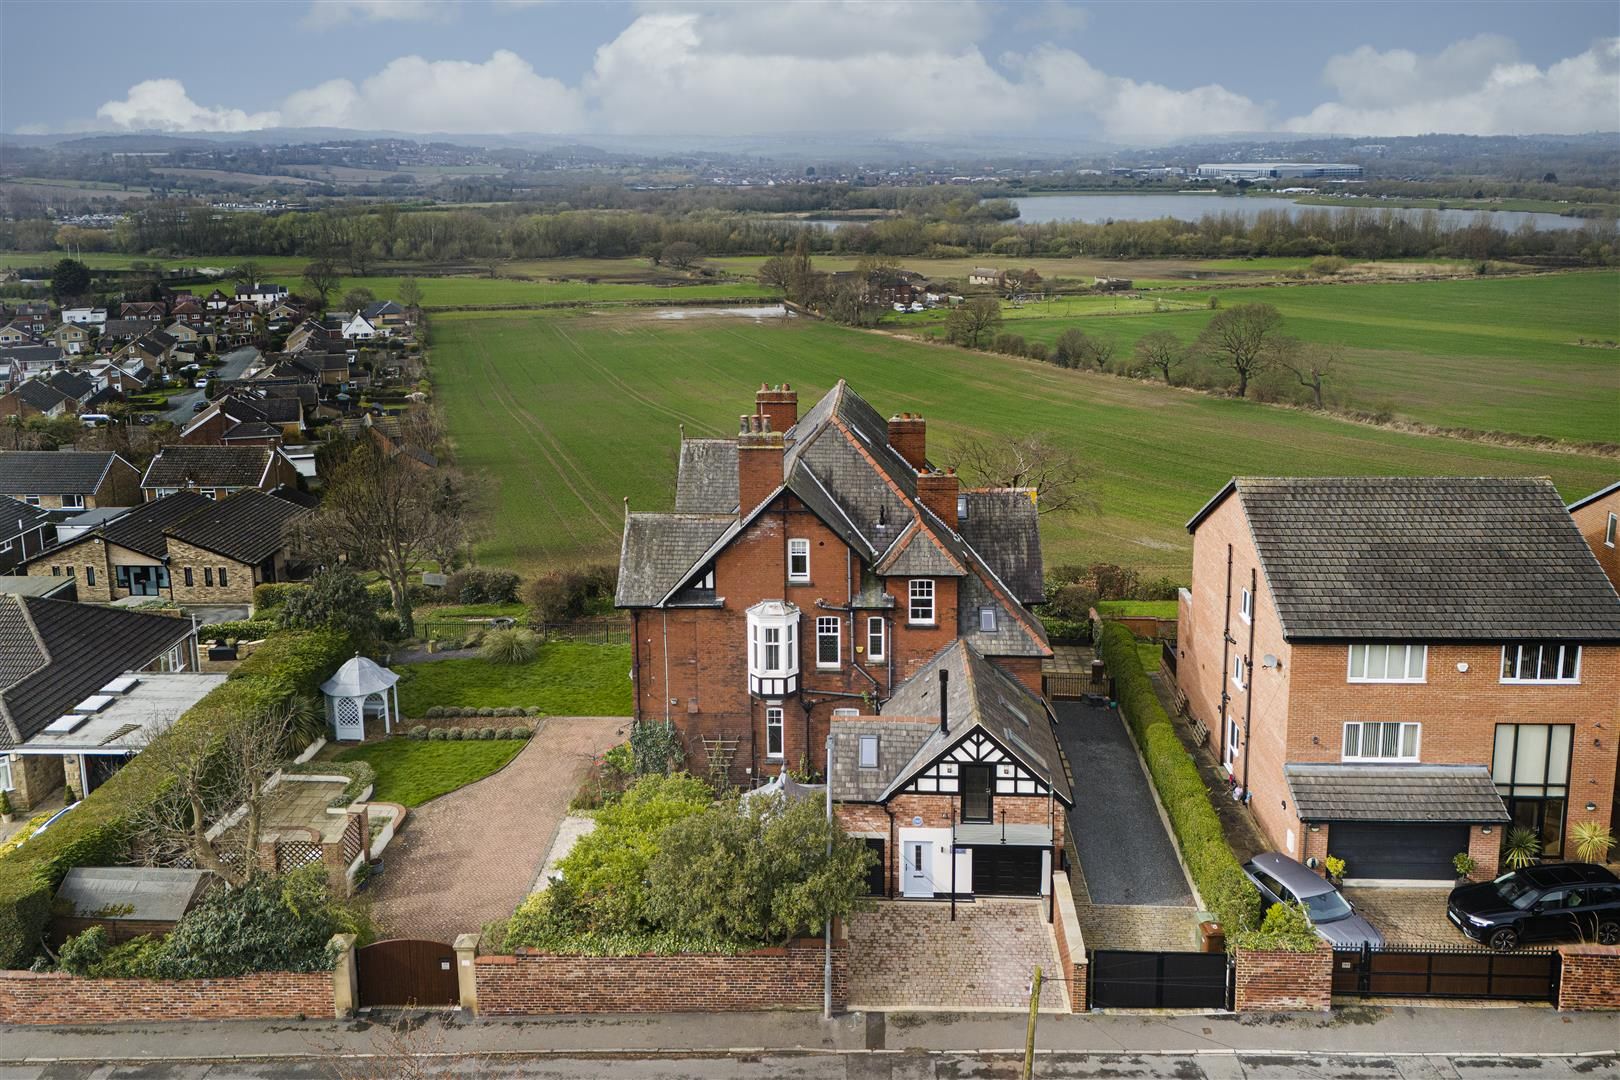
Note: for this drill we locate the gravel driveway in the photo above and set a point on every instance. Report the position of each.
(468, 858)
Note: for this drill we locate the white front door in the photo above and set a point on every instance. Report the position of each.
(348, 720)
(1231, 752)
(915, 880)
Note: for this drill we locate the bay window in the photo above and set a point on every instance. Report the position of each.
(773, 649)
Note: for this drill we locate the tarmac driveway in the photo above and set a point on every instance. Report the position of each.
(1127, 856)
(468, 858)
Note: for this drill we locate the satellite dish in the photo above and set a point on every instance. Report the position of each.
(1268, 661)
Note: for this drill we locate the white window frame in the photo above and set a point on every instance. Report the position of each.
(1610, 527)
(1519, 654)
(171, 661)
(962, 508)
(876, 638)
(866, 760)
(1400, 740)
(1246, 605)
(987, 615)
(921, 595)
(73, 502)
(31, 500)
(1239, 672)
(830, 628)
(5, 773)
(775, 724)
(799, 548)
(1406, 662)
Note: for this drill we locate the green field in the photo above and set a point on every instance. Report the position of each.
(1489, 354)
(568, 413)
(454, 292)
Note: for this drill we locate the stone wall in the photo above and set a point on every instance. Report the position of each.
(1591, 977)
(1283, 981)
(533, 984)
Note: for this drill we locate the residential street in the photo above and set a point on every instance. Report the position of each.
(180, 405)
(1414, 1044)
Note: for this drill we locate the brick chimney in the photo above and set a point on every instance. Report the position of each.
(908, 434)
(779, 403)
(759, 461)
(938, 491)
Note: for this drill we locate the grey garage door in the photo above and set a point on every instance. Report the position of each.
(1381, 850)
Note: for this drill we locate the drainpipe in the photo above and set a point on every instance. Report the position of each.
(1226, 656)
(667, 720)
(1248, 693)
(826, 969)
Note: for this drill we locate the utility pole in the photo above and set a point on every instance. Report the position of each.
(1029, 1036)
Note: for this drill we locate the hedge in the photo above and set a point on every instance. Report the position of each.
(240, 630)
(96, 833)
(1225, 888)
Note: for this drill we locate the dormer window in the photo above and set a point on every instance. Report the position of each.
(773, 649)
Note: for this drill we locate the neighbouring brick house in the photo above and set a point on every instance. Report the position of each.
(243, 419)
(813, 571)
(36, 397)
(69, 479)
(25, 531)
(69, 709)
(1399, 670)
(1598, 518)
(185, 547)
(217, 471)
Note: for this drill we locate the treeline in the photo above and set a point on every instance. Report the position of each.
(366, 236)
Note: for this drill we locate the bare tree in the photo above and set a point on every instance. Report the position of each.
(683, 254)
(247, 272)
(1163, 352)
(323, 278)
(1060, 481)
(406, 1050)
(410, 292)
(213, 773)
(1310, 365)
(1240, 338)
(974, 321)
(387, 510)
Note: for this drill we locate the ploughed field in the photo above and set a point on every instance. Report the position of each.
(569, 412)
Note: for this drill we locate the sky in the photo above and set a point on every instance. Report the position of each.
(1128, 71)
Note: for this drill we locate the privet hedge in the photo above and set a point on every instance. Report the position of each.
(97, 832)
(1215, 870)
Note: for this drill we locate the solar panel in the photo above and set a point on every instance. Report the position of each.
(93, 703)
(65, 725)
(122, 684)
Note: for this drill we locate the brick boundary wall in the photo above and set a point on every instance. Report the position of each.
(1071, 946)
(1591, 977)
(56, 998)
(1283, 981)
(533, 984)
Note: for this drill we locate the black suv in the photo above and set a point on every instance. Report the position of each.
(1559, 900)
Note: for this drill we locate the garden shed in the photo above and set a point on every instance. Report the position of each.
(361, 690)
(128, 900)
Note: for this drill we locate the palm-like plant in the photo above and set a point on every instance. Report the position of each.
(1592, 841)
(1522, 849)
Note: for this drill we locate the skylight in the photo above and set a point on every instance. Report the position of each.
(93, 703)
(122, 684)
(64, 725)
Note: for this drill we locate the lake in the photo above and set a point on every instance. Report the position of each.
(1038, 209)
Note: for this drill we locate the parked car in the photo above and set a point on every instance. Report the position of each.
(1282, 880)
(200, 406)
(1540, 903)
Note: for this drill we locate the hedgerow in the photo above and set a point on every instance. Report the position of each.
(97, 832)
(1225, 888)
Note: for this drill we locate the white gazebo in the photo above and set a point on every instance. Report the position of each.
(361, 689)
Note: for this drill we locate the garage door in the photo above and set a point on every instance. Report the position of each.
(1397, 851)
(1007, 871)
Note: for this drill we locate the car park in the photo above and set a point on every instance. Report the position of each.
(1282, 880)
(1558, 901)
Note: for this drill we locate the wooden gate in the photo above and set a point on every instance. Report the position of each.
(1446, 973)
(404, 971)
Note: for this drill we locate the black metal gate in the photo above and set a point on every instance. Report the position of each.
(1446, 973)
(1128, 979)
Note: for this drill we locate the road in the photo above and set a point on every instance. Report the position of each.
(181, 406)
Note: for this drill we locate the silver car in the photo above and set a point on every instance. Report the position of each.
(1281, 880)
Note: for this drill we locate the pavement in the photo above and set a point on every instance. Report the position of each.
(181, 405)
(1367, 1043)
(1125, 851)
(469, 857)
(908, 954)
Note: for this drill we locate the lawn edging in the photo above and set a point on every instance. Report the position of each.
(1215, 872)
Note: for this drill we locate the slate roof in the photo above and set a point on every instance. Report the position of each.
(208, 467)
(659, 549)
(1003, 526)
(248, 527)
(1424, 559)
(53, 472)
(1411, 793)
(55, 653)
(706, 481)
(981, 696)
(898, 744)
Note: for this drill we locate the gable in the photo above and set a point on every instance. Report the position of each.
(943, 775)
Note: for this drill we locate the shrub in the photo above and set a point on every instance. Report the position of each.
(438, 734)
(1287, 928)
(1220, 880)
(1592, 841)
(419, 732)
(487, 733)
(514, 646)
(268, 597)
(487, 712)
(1061, 631)
(522, 732)
(476, 586)
(565, 595)
(334, 599)
(240, 630)
(435, 711)
(1328, 265)
(84, 951)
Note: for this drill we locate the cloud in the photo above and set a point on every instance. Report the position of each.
(323, 13)
(503, 94)
(1053, 18)
(164, 105)
(1125, 107)
(1476, 87)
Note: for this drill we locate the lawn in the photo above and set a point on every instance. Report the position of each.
(1489, 354)
(569, 413)
(567, 678)
(1158, 609)
(412, 771)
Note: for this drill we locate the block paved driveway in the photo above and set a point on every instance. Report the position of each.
(469, 857)
(909, 954)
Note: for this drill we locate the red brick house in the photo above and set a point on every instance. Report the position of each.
(1598, 518)
(1397, 670)
(815, 578)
